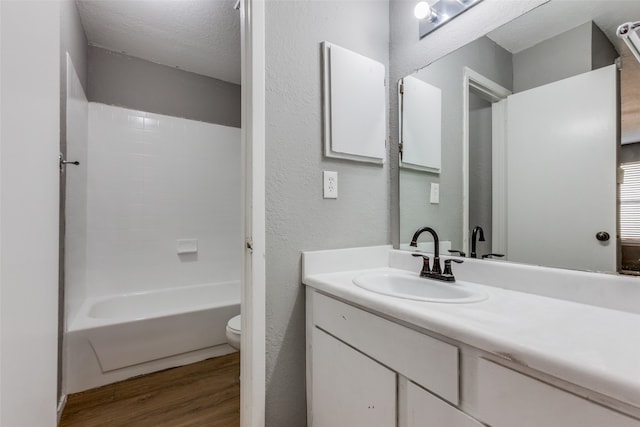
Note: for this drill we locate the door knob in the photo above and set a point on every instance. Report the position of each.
(602, 236)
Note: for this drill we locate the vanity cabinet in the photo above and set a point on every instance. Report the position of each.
(365, 370)
(429, 362)
(359, 366)
(508, 398)
(349, 388)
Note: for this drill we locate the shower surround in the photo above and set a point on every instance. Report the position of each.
(151, 180)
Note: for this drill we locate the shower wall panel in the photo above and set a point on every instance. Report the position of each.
(154, 180)
(75, 241)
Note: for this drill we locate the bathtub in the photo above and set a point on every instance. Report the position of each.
(118, 337)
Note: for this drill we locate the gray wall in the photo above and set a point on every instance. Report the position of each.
(487, 58)
(562, 56)
(408, 53)
(573, 52)
(298, 218)
(125, 81)
(73, 41)
(602, 51)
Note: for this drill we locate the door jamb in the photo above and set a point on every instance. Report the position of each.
(252, 356)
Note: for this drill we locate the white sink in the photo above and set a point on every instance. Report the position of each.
(414, 287)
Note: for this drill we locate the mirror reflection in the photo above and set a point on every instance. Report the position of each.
(516, 146)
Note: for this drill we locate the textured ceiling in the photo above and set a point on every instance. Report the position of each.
(200, 36)
(558, 16)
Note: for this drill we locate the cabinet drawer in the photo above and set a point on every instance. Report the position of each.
(422, 409)
(428, 362)
(507, 398)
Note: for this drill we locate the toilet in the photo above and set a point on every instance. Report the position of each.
(233, 332)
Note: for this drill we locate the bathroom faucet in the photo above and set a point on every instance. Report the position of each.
(474, 235)
(436, 247)
(435, 272)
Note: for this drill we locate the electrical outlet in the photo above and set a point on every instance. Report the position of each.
(330, 179)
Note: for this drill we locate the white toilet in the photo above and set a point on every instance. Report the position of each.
(233, 332)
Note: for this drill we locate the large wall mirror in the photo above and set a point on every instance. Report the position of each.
(532, 134)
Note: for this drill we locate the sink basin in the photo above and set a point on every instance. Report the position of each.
(414, 287)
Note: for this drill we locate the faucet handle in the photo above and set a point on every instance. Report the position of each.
(447, 265)
(462, 254)
(492, 256)
(425, 263)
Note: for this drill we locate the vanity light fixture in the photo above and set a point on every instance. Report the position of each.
(432, 15)
(628, 33)
(424, 11)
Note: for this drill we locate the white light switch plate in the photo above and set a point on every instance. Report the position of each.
(330, 179)
(435, 193)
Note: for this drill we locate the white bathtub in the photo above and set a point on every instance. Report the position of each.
(118, 337)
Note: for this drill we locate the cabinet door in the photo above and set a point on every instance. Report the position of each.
(419, 408)
(348, 388)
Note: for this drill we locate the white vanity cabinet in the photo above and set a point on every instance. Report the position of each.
(349, 388)
(365, 370)
(508, 398)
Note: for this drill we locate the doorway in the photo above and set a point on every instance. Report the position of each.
(483, 126)
(250, 239)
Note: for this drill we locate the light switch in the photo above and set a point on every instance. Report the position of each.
(435, 193)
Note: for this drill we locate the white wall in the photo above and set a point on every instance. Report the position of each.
(29, 134)
(77, 125)
(153, 179)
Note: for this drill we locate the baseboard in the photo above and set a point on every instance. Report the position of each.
(61, 404)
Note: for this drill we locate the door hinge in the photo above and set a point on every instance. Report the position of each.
(401, 88)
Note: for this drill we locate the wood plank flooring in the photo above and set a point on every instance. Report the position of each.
(202, 394)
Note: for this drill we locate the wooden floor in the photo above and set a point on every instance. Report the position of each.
(202, 394)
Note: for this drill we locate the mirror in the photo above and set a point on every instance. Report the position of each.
(537, 131)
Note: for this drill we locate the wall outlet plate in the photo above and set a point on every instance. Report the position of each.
(330, 186)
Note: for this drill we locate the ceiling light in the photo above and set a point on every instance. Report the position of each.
(433, 14)
(627, 32)
(424, 11)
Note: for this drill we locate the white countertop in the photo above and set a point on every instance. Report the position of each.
(593, 347)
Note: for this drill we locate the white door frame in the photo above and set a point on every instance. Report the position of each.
(492, 92)
(252, 356)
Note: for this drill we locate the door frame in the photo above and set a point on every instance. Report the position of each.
(252, 356)
(494, 93)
